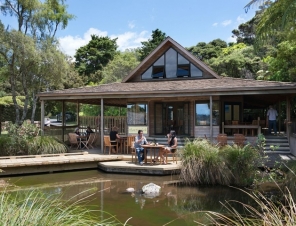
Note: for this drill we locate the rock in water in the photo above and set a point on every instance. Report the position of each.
(151, 190)
(130, 190)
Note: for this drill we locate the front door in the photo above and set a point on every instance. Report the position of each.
(172, 116)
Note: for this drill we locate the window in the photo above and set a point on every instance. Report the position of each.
(171, 65)
(137, 114)
(158, 72)
(183, 70)
(202, 111)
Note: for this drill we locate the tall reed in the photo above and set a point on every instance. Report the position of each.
(36, 208)
(201, 164)
(265, 212)
(243, 162)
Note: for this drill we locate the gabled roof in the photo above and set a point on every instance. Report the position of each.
(160, 50)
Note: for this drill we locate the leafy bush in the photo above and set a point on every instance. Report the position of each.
(205, 163)
(201, 164)
(25, 140)
(46, 145)
(243, 162)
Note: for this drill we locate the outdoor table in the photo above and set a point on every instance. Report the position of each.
(242, 127)
(151, 147)
(121, 141)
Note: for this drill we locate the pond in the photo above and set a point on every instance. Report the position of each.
(176, 204)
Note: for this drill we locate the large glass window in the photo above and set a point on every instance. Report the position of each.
(202, 111)
(137, 114)
(171, 65)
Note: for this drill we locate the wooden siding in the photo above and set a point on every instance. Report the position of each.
(202, 131)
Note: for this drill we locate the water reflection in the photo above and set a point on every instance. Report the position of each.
(108, 192)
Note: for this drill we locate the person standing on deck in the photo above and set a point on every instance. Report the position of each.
(272, 114)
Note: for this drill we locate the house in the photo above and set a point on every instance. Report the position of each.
(172, 89)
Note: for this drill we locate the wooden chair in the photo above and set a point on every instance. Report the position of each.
(133, 151)
(239, 139)
(89, 142)
(174, 155)
(73, 140)
(264, 127)
(107, 143)
(222, 139)
(128, 143)
(235, 122)
(254, 122)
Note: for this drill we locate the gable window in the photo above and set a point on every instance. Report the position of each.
(171, 65)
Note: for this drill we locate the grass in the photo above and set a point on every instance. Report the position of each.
(201, 164)
(265, 212)
(36, 208)
(208, 164)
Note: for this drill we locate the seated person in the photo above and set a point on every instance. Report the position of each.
(88, 131)
(172, 145)
(114, 136)
(139, 141)
(77, 131)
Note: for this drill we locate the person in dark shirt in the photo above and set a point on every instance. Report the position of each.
(114, 136)
(88, 131)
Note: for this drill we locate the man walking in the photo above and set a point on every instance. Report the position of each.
(272, 114)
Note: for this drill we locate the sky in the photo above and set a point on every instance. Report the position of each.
(188, 22)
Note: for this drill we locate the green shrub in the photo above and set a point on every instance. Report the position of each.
(45, 145)
(205, 163)
(243, 163)
(25, 140)
(201, 164)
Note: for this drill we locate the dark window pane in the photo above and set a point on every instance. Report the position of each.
(183, 70)
(158, 71)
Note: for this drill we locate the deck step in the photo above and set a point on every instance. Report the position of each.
(280, 142)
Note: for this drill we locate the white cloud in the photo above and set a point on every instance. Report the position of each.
(69, 44)
(240, 19)
(131, 24)
(215, 24)
(231, 39)
(226, 22)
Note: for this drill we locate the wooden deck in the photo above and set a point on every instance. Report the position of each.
(91, 159)
(94, 159)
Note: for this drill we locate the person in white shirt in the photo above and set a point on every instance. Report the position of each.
(47, 121)
(272, 114)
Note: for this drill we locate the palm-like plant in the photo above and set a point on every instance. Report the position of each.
(280, 16)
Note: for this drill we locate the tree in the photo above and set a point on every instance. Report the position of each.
(95, 55)
(205, 51)
(148, 46)
(238, 61)
(27, 51)
(122, 64)
(279, 16)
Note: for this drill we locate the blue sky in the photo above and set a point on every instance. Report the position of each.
(132, 21)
